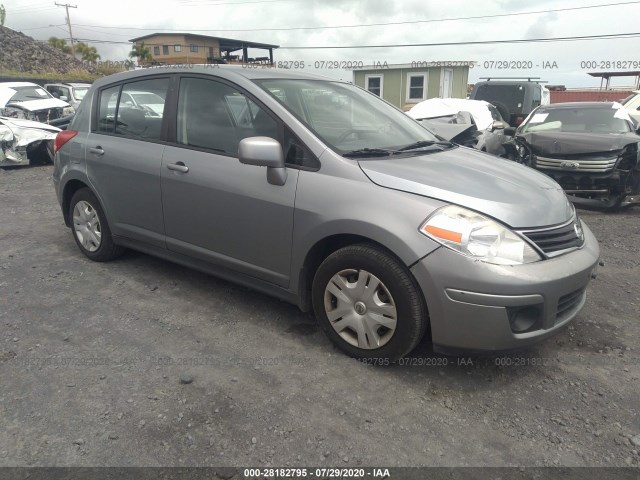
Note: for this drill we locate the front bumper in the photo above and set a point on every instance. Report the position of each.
(472, 304)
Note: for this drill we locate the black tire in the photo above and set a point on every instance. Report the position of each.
(412, 317)
(107, 250)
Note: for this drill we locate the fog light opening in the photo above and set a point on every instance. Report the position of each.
(524, 319)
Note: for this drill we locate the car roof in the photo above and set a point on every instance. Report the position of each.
(582, 105)
(67, 84)
(507, 82)
(229, 72)
(18, 84)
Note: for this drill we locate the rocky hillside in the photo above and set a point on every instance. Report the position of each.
(21, 53)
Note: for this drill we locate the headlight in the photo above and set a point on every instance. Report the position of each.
(68, 111)
(474, 235)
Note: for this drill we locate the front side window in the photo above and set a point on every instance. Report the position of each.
(165, 49)
(177, 48)
(215, 116)
(296, 153)
(194, 48)
(346, 117)
(156, 51)
(374, 84)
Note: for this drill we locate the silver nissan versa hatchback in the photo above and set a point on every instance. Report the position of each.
(322, 194)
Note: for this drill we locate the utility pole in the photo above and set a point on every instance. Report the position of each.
(67, 7)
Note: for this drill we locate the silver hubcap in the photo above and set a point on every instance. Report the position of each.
(86, 226)
(360, 309)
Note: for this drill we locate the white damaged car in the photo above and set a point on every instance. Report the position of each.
(24, 142)
(29, 101)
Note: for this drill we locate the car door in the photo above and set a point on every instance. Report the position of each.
(215, 208)
(124, 157)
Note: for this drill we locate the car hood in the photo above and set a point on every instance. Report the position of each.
(44, 104)
(568, 143)
(509, 192)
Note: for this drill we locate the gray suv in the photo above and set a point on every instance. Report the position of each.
(319, 193)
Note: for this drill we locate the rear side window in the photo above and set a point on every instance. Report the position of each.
(107, 109)
(141, 108)
(215, 116)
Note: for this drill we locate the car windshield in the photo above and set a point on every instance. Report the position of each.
(349, 119)
(579, 119)
(25, 94)
(80, 92)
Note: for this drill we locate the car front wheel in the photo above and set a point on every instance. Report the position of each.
(368, 303)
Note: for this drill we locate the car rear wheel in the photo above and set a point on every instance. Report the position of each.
(90, 229)
(368, 303)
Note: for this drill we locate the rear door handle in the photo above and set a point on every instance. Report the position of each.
(97, 150)
(178, 167)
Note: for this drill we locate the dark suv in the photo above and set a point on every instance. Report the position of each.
(514, 99)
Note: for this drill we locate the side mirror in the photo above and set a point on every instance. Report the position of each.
(64, 98)
(264, 152)
(498, 125)
(509, 131)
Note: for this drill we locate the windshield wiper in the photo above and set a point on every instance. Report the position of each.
(369, 152)
(424, 144)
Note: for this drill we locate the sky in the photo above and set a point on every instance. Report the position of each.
(119, 20)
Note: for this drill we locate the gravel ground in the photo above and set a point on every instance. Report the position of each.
(140, 362)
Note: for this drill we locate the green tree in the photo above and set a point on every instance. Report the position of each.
(87, 53)
(3, 15)
(60, 44)
(142, 53)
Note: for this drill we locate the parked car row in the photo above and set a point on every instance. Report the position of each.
(322, 194)
(590, 148)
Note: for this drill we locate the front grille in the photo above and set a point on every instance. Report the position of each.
(569, 301)
(556, 239)
(595, 165)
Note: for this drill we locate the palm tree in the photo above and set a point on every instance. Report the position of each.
(88, 54)
(142, 53)
(60, 44)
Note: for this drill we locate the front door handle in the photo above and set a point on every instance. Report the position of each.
(178, 167)
(97, 150)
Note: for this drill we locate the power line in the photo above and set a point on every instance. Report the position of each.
(441, 44)
(408, 22)
(480, 42)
